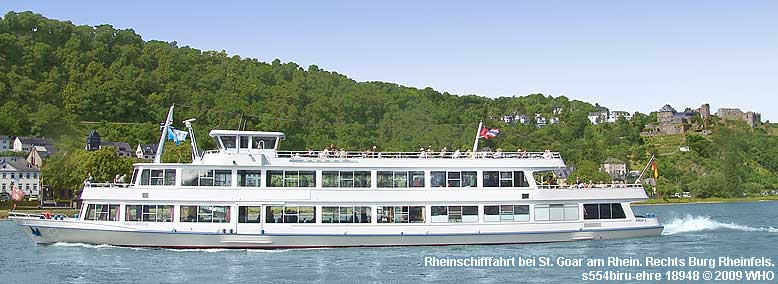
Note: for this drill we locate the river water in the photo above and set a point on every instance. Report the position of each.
(694, 230)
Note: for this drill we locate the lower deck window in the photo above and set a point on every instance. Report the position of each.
(149, 213)
(604, 211)
(102, 212)
(205, 214)
(454, 214)
(349, 214)
(506, 213)
(556, 212)
(291, 178)
(401, 214)
(290, 214)
(249, 214)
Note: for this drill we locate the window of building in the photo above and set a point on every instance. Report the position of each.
(28, 175)
(556, 212)
(453, 179)
(506, 213)
(358, 179)
(205, 214)
(290, 214)
(158, 177)
(400, 179)
(401, 214)
(604, 211)
(249, 214)
(149, 213)
(222, 178)
(102, 212)
(348, 214)
(505, 179)
(454, 214)
(249, 178)
(291, 178)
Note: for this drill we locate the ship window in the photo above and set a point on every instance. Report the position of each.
(401, 214)
(206, 177)
(604, 211)
(506, 213)
(400, 179)
(454, 214)
(291, 178)
(228, 142)
(149, 213)
(617, 212)
(244, 142)
(144, 177)
(259, 142)
(356, 214)
(134, 176)
(345, 179)
(205, 214)
(249, 214)
(290, 214)
(556, 212)
(102, 212)
(505, 179)
(453, 179)
(249, 178)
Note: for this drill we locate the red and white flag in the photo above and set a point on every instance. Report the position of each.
(16, 193)
(487, 133)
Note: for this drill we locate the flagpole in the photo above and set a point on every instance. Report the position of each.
(644, 169)
(162, 136)
(477, 135)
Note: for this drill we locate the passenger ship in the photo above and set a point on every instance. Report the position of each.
(248, 194)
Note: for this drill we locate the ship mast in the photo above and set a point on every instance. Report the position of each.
(162, 136)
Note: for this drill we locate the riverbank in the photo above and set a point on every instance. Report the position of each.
(705, 200)
(64, 211)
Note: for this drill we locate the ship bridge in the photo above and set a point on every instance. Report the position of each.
(246, 142)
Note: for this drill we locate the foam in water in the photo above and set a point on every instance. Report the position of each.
(703, 223)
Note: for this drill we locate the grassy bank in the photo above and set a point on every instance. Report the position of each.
(705, 200)
(68, 212)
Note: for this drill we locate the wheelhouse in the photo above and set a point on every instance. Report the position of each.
(230, 141)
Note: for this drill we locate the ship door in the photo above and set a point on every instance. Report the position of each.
(249, 218)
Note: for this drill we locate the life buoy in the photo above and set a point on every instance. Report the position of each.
(46, 214)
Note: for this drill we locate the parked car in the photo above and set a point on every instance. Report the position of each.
(5, 196)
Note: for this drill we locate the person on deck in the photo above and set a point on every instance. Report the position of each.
(456, 154)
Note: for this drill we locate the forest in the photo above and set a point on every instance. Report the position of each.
(60, 80)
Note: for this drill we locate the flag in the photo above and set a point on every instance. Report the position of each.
(655, 169)
(176, 135)
(487, 133)
(16, 193)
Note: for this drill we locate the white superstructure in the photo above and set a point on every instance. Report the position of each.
(248, 194)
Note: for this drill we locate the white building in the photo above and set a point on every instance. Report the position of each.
(23, 144)
(540, 121)
(146, 151)
(15, 170)
(615, 115)
(597, 117)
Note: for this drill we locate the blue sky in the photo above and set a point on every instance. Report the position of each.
(627, 55)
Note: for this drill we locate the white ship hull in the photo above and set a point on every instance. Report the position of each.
(54, 231)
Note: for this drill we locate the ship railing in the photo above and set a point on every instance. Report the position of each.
(24, 215)
(591, 186)
(44, 215)
(106, 184)
(416, 155)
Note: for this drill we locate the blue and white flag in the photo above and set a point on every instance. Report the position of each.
(176, 135)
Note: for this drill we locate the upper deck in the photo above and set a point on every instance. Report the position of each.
(255, 148)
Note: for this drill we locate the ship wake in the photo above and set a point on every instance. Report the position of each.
(704, 223)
